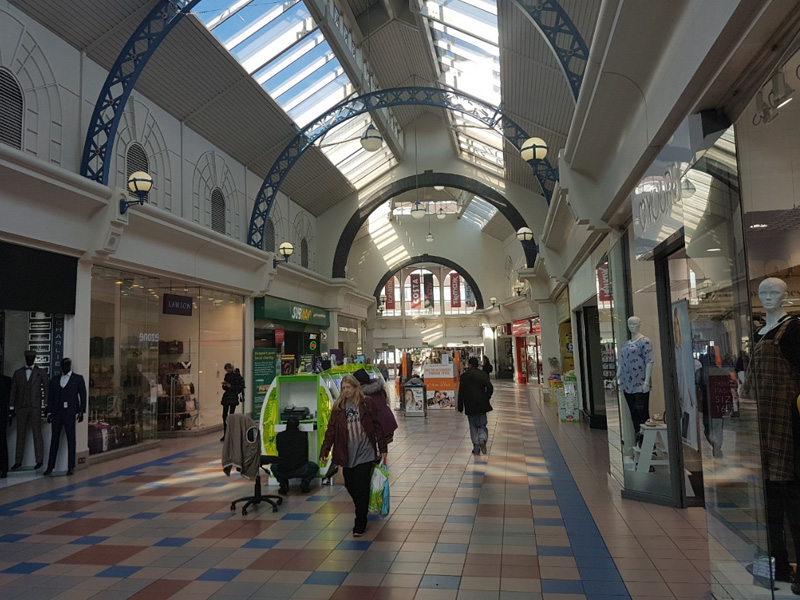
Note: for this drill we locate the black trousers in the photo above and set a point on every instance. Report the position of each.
(66, 422)
(357, 480)
(225, 409)
(3, 448)
(783, 503)
(639, 405)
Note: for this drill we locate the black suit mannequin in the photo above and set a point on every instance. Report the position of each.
(66, 405)
(28, 395)
(5, 394)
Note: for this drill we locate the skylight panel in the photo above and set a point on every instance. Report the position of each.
(479, 212)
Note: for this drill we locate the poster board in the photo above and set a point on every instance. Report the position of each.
(441, 387)
(265, 368)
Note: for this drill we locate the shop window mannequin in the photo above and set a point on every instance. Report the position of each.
(28, 395)
(634, 371)
(67, 405)
(773, 381)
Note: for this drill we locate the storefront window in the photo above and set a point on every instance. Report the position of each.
(421, 293)
(157, 352)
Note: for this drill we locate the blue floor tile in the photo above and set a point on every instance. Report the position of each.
(326, 578)
(89, 540)
(173, 542)
(75, 514)
(119, 498)
(457, 519)
(561, 586)
(219, 575)
(547, 522)
(296, 516)
(25, 568)
(118, 572)
(145, 515)
(12, 537)
(465, 500)
(594, 562)
(353, 545)
(260, 543)
(544, 502)
(591, 574)
(613, 589)
(183, 498)
(215, 484)
(441, 582)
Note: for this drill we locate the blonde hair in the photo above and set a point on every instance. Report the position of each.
(341, 401)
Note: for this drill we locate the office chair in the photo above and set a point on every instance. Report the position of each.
(242, 449)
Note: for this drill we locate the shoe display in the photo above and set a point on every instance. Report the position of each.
(305, 487)
(47, 471)
(483, 447)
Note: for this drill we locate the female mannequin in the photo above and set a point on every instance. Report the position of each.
(633, 373)
(773, 380)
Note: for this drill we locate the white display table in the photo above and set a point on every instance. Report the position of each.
(650, 435)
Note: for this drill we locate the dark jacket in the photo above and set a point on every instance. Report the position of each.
(474, 391)
(292, 447)
(5, 395)
(336, 434)
(73, 394)
(375, 394)
(231, 394)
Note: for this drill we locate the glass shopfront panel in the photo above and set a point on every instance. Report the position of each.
(157, 352)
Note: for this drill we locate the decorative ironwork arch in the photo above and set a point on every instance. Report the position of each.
(491, 116)
(439, 260)
(427, 179)
(563, 37)
(122, 76)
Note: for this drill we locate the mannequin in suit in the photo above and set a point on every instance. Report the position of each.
(66, 406)
(5, 394)
(28, 391)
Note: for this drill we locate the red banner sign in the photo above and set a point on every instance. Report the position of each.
(603, 284)
(455, 290)
(416, 298)
(521, 328)
(280, 334)
(390, 294)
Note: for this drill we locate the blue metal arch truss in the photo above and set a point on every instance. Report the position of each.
(130, 63)
(490, 116)
(562, 35)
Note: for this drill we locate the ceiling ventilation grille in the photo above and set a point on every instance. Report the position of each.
(217, 211)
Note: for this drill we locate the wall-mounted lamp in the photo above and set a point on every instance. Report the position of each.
(371, 141)
(493, 301)
(382, 305)
(285, 250)
(524, 234)
(518, 288)
(139, 183)
(533, 150)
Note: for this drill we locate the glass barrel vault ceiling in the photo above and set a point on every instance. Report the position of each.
(283, 49)
(466, 40)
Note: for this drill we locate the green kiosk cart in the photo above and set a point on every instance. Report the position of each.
(333, 376)
(307, 397)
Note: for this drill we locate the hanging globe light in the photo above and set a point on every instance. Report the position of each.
(440, 214)
(371, 141)
(418, 210)
(429, 237)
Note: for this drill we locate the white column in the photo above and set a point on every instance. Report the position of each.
(249, 343)
(78, 350)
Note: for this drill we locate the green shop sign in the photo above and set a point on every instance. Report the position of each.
(284, 310)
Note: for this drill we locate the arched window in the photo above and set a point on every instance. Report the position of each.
(269, 237)
(304, 253)
(11, 110)
(456, 295)
(421, 293)
(217, 210)
(135, 160)
(391, 296)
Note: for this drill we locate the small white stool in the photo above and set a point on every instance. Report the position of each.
(649, 437)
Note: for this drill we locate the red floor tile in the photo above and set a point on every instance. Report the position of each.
(101, 555)
(85, 526)
(160, 590)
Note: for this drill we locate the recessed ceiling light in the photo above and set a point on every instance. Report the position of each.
(715, 249)
(758, 226)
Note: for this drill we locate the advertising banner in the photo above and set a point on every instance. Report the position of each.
(428, 280)
(603, 284)
(390, 294)
(469, 296)
(455, 290)
(265, 368)
(416, 299)
(440, 386)
(684, 372)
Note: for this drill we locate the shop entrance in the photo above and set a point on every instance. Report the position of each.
(593, 389)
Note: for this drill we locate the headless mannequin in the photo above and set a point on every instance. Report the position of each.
(67, 405)
(634, 372)
(28, 389)
(773, 380)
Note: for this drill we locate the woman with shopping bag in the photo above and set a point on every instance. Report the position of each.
(354, 432)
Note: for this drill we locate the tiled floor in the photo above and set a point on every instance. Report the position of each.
(538, 518)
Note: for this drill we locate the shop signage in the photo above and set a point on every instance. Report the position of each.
(521, 328)
(265, 367)
(280, 336)
(348, 329)
(177, 305)
(455, 290)
(415, 293)
(390, 294)
(469, 296)
(603, 284)
(284, 310)
(428, 280)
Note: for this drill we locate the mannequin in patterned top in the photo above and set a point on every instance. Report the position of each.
(633, 373)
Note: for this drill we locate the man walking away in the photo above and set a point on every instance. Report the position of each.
(474, 392)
